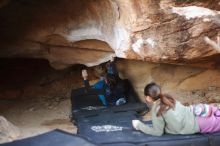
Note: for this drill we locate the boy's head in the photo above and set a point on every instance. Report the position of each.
(100, 70)
(110, 80)
(153, 90)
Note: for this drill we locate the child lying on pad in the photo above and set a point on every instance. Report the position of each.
(170, 116)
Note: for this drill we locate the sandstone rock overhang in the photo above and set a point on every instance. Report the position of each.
(89, 32)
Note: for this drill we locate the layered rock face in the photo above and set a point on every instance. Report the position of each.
(187, 84)
(88, 32)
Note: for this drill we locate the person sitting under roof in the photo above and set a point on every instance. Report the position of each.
(112, 84)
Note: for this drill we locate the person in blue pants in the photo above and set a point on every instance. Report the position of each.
(112, 85)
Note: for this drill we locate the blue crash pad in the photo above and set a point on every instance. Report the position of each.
(52, 138)
(116, 129)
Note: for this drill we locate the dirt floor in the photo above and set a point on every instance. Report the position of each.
(36, 98)
(37, 116)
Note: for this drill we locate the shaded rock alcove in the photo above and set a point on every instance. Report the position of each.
(45, 43)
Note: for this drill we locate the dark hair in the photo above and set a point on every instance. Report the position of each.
(153, 90)
(111, 80)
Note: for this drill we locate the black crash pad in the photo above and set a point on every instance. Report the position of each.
(87, 96)
(112, 126)
(119, 131)
(85, 103)
(53, 138)
(91, 111)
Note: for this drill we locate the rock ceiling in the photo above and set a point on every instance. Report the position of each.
(89, 32)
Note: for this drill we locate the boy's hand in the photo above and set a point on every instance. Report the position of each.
(84, 74)
(135, 124)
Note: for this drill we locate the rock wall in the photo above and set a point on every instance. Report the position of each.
(187, 84)
(88, 32)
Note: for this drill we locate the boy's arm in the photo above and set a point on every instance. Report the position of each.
(111, 67)
(86, 83)
(157, 129)
(102, 98)
(85, 78)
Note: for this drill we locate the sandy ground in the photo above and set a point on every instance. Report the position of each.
(37, 116)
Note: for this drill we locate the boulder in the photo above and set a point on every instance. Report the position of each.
(8, 131)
